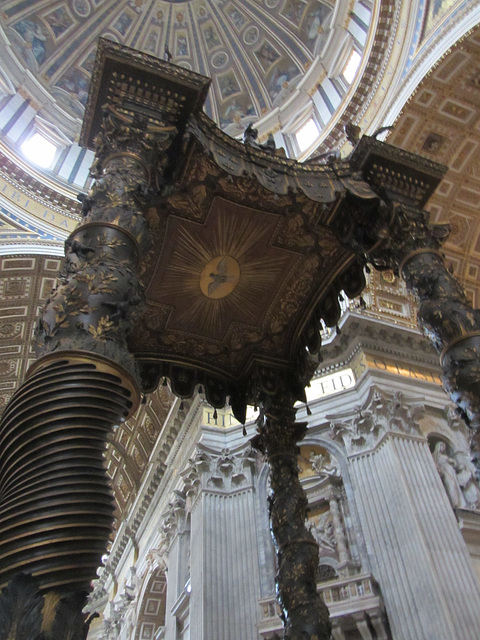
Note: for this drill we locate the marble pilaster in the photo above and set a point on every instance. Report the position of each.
(224, 560)
(416, 550)
(176, 537)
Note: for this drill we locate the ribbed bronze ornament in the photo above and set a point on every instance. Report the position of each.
(56, 507)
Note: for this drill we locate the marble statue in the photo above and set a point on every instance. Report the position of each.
(447, 469)
(324, 532)
(466, 473)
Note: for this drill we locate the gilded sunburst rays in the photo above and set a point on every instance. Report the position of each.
(220, 272)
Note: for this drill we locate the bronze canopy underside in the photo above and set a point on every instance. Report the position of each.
(247, 253)
(238, 274)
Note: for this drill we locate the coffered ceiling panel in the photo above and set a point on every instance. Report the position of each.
(442, 122)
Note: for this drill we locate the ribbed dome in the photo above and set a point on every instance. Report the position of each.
(256, 51)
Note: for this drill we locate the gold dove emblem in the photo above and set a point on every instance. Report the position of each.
(219, 277)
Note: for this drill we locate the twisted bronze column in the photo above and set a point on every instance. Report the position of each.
(392, 230)
(305, 614)
(413, 249)
(55, 502)
(452, 325)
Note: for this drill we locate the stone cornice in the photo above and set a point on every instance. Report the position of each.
(384, 338)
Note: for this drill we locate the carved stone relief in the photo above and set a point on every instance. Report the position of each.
(324, 533)
(458, 474)
(324, 466)
(227, 471)
(467, 478)
(328, 517)
(328, 525)
(382, 413)
(174, 518)
(120, 614)
(454, 420)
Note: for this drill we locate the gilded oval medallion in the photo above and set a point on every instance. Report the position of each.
(219, 277)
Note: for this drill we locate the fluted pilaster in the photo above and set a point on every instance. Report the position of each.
(224, 560)
(416, 550)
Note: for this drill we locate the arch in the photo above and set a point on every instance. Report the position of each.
(327, 570)
(432, 52)
(152, 604)
(314, 437)
(434, 438)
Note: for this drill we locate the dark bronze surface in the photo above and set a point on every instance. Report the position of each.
(304, 613)
(58, 421)
(224, 259)
(142, 84)
(411, 246)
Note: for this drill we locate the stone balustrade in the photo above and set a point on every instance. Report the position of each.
(354, 603)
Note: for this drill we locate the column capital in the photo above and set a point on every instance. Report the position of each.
(226, 471)
(382, 413)
(173, 519)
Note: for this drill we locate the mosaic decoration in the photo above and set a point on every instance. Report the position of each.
(181, 48)
(81, 7)
(294, 10)
(60, 21)
(31, 42)
(435, 11)
(236, 17)
(267, 55)
(256, 52)
(228, 85)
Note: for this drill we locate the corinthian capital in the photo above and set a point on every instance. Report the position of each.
(381, 414)
(225, 471)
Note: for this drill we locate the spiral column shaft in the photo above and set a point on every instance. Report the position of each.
(305, 613)
(55, 504)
